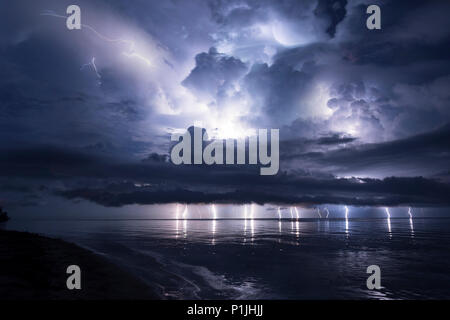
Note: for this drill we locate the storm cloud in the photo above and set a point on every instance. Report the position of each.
(363, 114)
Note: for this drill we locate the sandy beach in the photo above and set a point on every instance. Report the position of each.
(34, 267)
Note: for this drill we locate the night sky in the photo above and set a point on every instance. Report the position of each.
(86, 115)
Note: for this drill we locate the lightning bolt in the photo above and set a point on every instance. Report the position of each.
(185, 212)
(252, 222)
(214, 211)
(94, 67)
(346, 220)
(279, 213)
(296, 212)
(318, 212)
(213, 241)
(245, 221)
(387, 212)
(328, 213)
(388, 220)
(130, 52)
(411, 225)
(292, 214)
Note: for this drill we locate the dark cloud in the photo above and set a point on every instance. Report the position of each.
(365, 192)
(154, 157)
(335, 139)
(155, 180)
(424, 154)
(279, 88)
(214, 73)
(333, 10)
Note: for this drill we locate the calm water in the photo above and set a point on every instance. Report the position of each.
(268, 259)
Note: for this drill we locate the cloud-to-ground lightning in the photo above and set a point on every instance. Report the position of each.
(296, 212)
(346, 219)
(388, 219)
(411, 225)
(185, 212)
(252, 221)
(318, 212)
(213, 241)
(177, 215)
(328, 213)
(213, 207)
(130, 52)
(245, 221)
(279, 221)
(291, 212)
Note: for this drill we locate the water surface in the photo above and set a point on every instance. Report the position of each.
(270, 259)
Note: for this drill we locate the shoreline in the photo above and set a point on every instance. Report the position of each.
(33, 267)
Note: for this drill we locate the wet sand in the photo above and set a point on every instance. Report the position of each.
(33, 267)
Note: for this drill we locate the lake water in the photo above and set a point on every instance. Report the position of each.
(270, 259)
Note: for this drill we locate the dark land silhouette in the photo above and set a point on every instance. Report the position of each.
(33, 267)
